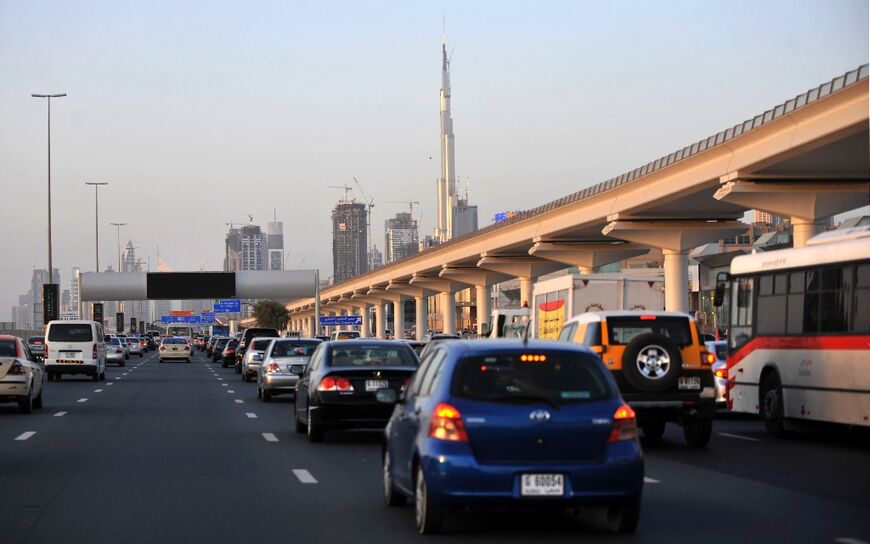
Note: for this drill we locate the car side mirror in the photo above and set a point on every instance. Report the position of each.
(387, 396)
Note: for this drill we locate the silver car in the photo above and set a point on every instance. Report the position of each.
(283, 362)
(116, 351)
(719, 348)
(254, 356)
(22, 379)
(136, 346)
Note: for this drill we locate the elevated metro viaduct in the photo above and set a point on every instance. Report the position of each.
(807, 159)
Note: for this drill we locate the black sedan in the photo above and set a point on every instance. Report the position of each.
(337, 389)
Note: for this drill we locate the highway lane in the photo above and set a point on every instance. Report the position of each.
(185, 452)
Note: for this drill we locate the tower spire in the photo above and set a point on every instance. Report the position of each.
(446, 186)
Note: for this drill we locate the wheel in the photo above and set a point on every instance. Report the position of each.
(223, 364)
(267, 395)
(315, 430)
(103, 375)
(96, 376)
(37, 402)
(51, 377)
(392, 496)
(623, 519)
(246, 377)
(25, 405)
(651, 363)
(653, 430)
(772, 411)
(238, 369)
(122, 363)
(259, 392)
(300, 427)
(428, 516)
(697, 431)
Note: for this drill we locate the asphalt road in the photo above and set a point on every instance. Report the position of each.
(186, 453)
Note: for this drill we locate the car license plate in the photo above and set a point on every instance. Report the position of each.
(542, 485)
(689, 383)
(69, 362)
(374, 385)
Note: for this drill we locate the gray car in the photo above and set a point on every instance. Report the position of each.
(115, 351)
(254, 356)
(283, 362)
(136, 346)
(719, 348)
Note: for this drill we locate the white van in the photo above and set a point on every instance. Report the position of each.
(75, 347)
(185, 331)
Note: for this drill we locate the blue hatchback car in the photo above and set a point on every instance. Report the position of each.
(503, 424)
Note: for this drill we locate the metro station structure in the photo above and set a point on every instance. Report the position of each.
(807, 158)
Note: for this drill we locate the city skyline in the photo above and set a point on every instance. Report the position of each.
(528, 135)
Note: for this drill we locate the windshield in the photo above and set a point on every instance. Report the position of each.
(552, 377)
(363, 355)
(293, 348)
(36, 340)
(8, 349)
(622, 330)
(178, 331)
(70, 332)
(178, 341)
(261, 344)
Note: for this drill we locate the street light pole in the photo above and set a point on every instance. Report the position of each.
(49, 97)
(119, 225)
(96, 185)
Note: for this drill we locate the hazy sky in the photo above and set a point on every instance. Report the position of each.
(199, 113)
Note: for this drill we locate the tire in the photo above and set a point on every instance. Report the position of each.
(300, 427)
(623, 519)
(772, 408)
(37, 402)
(223, 364)
(392, 496)
(315, 431)
(428, 517)
(51, 377)
(103, 375)
(267, 395)
(697, 431)
(651, 363)
(122, 363)
(246, 377)
(96, 376)
(653, 430)
(25, 405)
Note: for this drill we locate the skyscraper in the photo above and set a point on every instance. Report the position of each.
(275, 245)
(401, 237)
(349, 240)
(253, 248)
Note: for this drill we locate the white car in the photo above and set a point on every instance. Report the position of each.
(253, 357)
(176, 347)
(719, 348)
(116, 351)
(75, 347)
(22, 379)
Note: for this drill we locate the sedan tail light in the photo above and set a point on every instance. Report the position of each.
(334, 383)
(710, 358)
(274, 368)
(447, 424)
(721, 372)
(119, 350)
(17, 369)
(624, 424)
(162, 348)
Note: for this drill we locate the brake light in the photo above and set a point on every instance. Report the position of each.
(721, 373)
(230, 351)
(274, 368)
(710, 358)
(17, 369)
(38, 342)
(162, 348)
(94, 352)
(624, 424)
(647, 318)
(404, 385)
(447, 424)
(119, 350)
(335, 383)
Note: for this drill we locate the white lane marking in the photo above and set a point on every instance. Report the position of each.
(850, 540)
(230, 391)
(118, 378)
(82, 400)
(251, 415)
(25, 436)
(648, 480)
(304, 476)
(98, 390)
(220, 379)
(110, 383)
(238, 401)
(60, 414)
(739, 437)
(270, 437)
(225, 384)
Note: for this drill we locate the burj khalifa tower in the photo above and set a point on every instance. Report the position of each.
(447, 181)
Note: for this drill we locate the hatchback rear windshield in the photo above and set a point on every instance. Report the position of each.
(178, 341)
(260, 345)
(363, 355)
(8, 349)
(622, 330)
(293, 348)
(552, 377)
(70, 332)
(36, 339)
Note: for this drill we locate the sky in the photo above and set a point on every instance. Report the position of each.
(200, 113)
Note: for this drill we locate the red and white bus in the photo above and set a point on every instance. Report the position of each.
(799, 334)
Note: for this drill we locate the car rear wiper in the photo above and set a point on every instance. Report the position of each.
(543, 398)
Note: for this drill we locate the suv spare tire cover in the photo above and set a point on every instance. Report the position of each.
(651, 363)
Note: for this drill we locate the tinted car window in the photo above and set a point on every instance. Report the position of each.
(622, 330)
(7, 348)
(260, 345)
(362, 355)
(70, 332)
(175, 341)
(560, 378)
(34, 339)
(293, 348)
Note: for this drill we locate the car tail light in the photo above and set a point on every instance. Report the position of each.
(404, 385)
(17, 369)
(94, 352)
(162, 348)
(230, 351)
(447, 424)
(119, 350)
(624, 424)
(710, 358)
(721, 372)
(335, 383)
(38, 342)
(273, 368)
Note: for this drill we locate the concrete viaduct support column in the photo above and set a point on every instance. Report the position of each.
(421, 318)
(399, 317)
(676, 281)
(421, 296)
(448, 312)
(526, 285)
(484, 307)
(804, 229)
(366, 329)
(380, 326)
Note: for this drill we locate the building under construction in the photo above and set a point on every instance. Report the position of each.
(349, 240)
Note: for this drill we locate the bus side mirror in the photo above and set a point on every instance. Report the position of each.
(719, 295)
(485, 329)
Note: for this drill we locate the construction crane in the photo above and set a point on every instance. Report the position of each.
(370, 203)
(347, 191)
(410, 204)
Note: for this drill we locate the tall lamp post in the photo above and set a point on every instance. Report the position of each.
(96, 185)
(119, 225)
(48, 98)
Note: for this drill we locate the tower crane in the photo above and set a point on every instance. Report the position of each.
(410, 204)
(370, 203)
(347, 191)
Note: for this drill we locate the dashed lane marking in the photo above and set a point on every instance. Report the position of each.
(739, 437)
(60, 414)
(304, 476)
(850, 540)
(251, 415)
(25, 436)
(648, 480)
(82, 400)
(225, 384)
(238, 401)
(230, 391)
(98, 390)
(110, 383)
(270, 437)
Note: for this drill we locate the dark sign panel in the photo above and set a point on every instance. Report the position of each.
(119, 322)
(141, 327)
(133, 325)
(189, 285)
(98, 312)
(50, 302)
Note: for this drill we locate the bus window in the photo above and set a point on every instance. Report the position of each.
(741, 312)
(861, 322)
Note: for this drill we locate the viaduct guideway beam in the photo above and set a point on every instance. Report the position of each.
(525, 267)
(675, 239)
(586, 256)
(806, 202)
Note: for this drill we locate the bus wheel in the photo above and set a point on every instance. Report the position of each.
(772, 411)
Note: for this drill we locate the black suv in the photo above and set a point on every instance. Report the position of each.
(245, 338)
